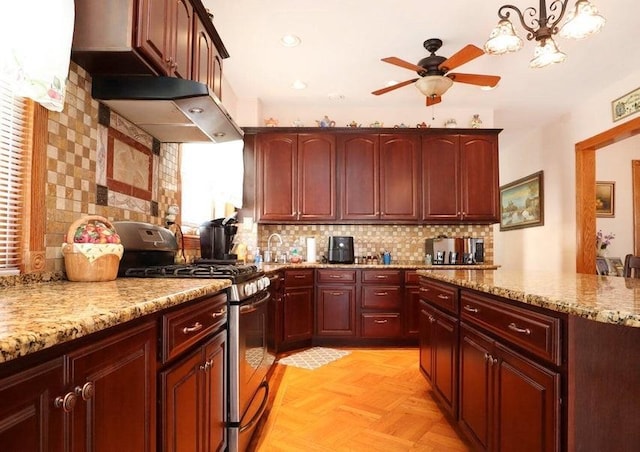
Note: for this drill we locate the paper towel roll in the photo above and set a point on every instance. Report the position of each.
(311, 249)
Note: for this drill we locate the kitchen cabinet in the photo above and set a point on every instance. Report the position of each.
(297, 308)
(207, 63)
(381, 304)
(411, 304)
(296, 177)
(379, 176)
(193, 399)
(29, 417)
(192, 381)
(438, 346)
(460, 178)
(165, 35)
(335, 310)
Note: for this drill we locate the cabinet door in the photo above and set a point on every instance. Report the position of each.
(335, 310)
(476, 391)
(29, 419)
(298, 313)
(527, 403)
(181, 38)
(277, 186)
(400, 177)
(359, 169)
(440, 178)
(118, 378)
(154, 30)
(316, 177)
(426, 321)
(412, 311)
(479, 178)
(202, 55)
(214, 394)
(445, 372)
(217, 74)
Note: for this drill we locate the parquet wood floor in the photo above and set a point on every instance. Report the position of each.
(371, 400)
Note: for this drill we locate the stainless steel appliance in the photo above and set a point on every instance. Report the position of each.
(340, 250)
(455, 250)
(149, 252)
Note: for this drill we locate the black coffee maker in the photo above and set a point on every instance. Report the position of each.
(216, 239)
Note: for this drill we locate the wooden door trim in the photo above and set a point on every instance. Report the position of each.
(586, 190)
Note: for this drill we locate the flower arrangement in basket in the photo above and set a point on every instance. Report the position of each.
(92, 250)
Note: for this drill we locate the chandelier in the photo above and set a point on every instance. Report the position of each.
(581, 21)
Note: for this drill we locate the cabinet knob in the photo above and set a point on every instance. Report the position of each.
(192, 329)
(207, 365)
(66, 402)
(432, 319)
(85, 391)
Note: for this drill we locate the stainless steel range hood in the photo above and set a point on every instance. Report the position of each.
(173, 110)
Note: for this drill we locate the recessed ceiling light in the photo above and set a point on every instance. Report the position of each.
(298, 84)
(336, 96)
(290, 40)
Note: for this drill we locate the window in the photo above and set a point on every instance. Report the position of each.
(15, 144)
(212, 176)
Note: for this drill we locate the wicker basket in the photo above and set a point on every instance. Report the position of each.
(91, 262)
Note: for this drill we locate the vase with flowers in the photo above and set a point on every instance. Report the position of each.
(602, 242)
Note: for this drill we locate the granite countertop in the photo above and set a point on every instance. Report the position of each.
(606, 299)
(37, 316)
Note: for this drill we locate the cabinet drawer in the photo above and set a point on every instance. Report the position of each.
(382, 277)
(298, 278)
(534, 332)
(387, 325)
(336, 276)
(185, 326)
(443, 296)
(411, 278)
(381, 297)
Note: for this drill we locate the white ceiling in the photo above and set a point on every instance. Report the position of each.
(344, 40)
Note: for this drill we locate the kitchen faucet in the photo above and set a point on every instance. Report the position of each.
(269, 246)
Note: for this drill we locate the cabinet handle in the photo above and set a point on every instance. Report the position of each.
(299, 276)
(85, 391)
(443, 297)
(220, 313)
(206, 366)
(468, 308)
(335, 276)
(422, 289)
(192, 329)
(382, 294)
(432, 319)
(381, 276)
(337, 294)
(487, 357)
(66, 402)
(514, 327)
(380, 321)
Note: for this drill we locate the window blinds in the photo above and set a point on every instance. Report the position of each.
(14, 142)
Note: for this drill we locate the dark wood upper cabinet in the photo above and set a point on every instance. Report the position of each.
(400, 177)
(359, 166)
(296, 177)
(207, 64)
(440, 177)
(181, 39)
(479, 178)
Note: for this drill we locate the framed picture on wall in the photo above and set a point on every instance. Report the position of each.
(522, 203)
(605, 199)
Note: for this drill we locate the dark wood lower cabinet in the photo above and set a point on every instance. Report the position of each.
(298, 314)
(336, 311)
(29, 420)
(193, 400)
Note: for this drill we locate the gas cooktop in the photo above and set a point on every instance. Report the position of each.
(237, 273)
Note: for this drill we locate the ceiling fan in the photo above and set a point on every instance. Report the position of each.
(433, 70)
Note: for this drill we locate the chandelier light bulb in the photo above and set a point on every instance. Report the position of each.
(503, 39)
(582, 21)
(546, 53)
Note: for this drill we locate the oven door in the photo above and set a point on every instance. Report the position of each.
(252, 362)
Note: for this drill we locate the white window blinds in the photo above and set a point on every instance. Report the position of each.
(14, 143)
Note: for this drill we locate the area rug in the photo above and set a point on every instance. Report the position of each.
(313, 358)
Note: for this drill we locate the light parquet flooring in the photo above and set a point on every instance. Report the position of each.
(370, 400)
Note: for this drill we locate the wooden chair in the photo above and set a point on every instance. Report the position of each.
(631, 266)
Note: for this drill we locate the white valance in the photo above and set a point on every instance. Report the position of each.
(36, 40)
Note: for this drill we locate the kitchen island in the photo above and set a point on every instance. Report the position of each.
(559, 355)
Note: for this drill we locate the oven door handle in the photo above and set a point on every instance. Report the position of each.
(250, 307)
(263, 406)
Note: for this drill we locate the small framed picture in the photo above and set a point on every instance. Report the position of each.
(602, 267)
(605, 199)
(616, 267)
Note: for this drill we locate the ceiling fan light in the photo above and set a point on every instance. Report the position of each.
(434, 85)
(582, 21)
(546, 53)
(503, 39)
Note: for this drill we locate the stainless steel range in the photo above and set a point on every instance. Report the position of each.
(149, 252)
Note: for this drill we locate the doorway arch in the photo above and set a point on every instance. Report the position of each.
(586, 190)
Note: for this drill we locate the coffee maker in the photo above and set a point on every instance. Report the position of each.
(216, 240)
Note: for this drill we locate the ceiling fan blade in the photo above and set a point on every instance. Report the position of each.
(432, 100)
(475, 79)
(464, 55)
(392, 87)
(404, 64)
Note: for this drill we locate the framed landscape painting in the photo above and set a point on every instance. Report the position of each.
(522, 203)
(605, 199)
